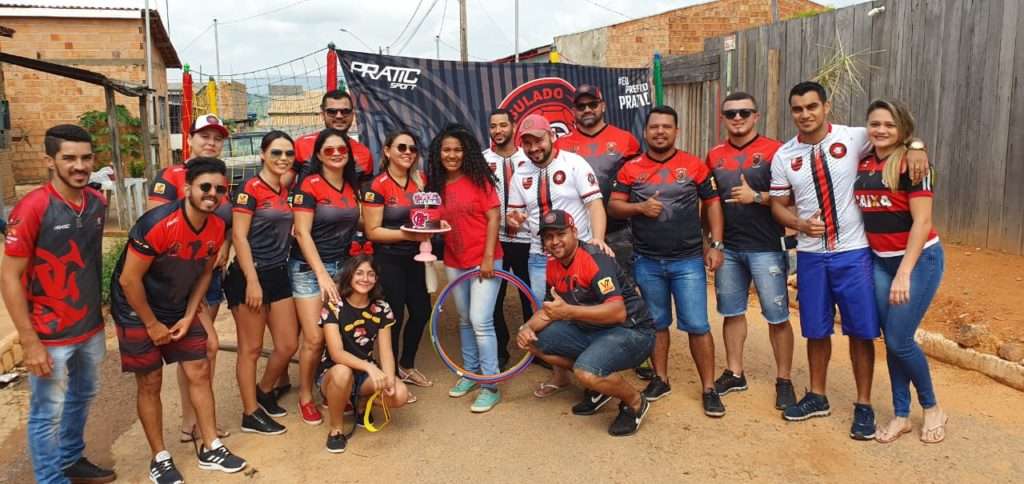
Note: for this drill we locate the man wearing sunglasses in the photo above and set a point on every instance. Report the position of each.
(754, 248)
(155, 292)
(336, 112)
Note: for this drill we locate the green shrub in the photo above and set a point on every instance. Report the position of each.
(110, 257)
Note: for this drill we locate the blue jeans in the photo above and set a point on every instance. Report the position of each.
(907, 363)
(304, 283)
(475, 300)
(597, 350)
(767, 270)
(662, 280)
(59, 406)
(538, 267)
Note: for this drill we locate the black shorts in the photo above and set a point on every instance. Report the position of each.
(275, 281)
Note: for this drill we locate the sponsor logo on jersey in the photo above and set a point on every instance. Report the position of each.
(242, 199)
(837, 150)
(682, 175)
(159, 188)
(797, 163)
(527, 182)
(559, 177)
(606, 285)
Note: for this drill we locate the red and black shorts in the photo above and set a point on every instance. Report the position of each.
(140, 355)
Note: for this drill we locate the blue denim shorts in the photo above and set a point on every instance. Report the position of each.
(304, 284)
(684, 280)
(767, 270)
(215, 293)
(601, 351)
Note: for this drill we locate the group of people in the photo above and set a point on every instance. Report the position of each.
(610, 236)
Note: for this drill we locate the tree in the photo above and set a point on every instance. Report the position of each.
(128, 128)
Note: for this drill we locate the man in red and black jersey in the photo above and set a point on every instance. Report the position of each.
(606, 147)
(337, 113)
(754, 247)
(662, 193)
(51, 287)
(155, 293)
(594, 323)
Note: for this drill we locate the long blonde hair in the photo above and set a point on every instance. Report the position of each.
(905, 127)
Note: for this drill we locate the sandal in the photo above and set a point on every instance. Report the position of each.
(546, 389)
(412, 399)
(187, 436)
(413, 376)
(939, 430)
(884, 437)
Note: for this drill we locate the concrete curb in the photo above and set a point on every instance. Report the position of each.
(939, 347)
(11, 353)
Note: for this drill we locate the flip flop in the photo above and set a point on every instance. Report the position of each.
(186, 437)
(941, 426)
(412, 399)
(893, 437)
(546, 389)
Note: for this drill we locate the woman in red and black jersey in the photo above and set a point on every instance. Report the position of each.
(908, 263)
(326, 209)
(386, 208)
(257, 285)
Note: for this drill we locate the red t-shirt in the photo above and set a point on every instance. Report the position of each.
(364, 159)
(465, 209)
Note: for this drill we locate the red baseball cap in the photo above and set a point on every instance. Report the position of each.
(534, 125)
(211, 121)
(587, 90)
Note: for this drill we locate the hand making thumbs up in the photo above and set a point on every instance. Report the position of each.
(742, 193)
(652, 207)
(556, 309)
(814, 226)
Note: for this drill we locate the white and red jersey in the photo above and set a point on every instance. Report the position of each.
(566, 183)
(822, 177)
(504, 169)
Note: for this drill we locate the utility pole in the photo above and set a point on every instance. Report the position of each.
(517, 31)
(145, 106)
(216, 46)
(437, 47)
(775, 10)
(463, 41)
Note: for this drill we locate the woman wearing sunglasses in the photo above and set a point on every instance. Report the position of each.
(357, 331)
(386, 209)
(458, 170)
(257, 285)
(326, 209)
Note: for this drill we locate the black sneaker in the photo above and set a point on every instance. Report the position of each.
(259, 422)
(730, 382)
(592, 402)
(863, 427)
(164, 472)
(656, 389)
(361, 424)
(336, 443)
(85, 472)
(628, 421)
(503, 361)
(713, 406)
(645, 371)
(268, 402)
(784, 394)
(220, 459)
(812, 405)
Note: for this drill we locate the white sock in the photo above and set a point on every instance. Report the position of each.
(216, 444)
(162, 456)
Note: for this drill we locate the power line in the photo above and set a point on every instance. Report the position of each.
(495, 23)
(456, 49)
(407, 24)
(616, 12)
(267, 12)
(189, 44)
(417, 29)
(444, 11)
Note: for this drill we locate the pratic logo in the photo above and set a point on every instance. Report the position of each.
(398, 77)
(550, 97)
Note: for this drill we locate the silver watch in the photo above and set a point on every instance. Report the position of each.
(717, 244)
(758, 198)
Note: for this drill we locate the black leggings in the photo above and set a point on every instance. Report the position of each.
(405, 286)
(515, 258)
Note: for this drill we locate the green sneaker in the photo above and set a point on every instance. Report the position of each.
(461, 388)
(485, 400)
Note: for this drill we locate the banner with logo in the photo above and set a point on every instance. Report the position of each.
(423, 95)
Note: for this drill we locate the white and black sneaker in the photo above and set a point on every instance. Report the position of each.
(164, 471)
(592, 402)
(336, 442)
(628, 421)
(220, 459)
(259, 422)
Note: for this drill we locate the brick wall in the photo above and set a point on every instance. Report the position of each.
(232, 100)
(113, 47)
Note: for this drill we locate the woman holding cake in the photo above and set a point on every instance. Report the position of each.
(386, 207)
(458, 171)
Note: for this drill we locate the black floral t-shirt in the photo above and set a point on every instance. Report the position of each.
(358, 327)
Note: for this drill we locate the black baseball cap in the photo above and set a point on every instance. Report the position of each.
(556, 219)
(587, 90)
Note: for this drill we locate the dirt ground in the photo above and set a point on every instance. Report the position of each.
(524, 439)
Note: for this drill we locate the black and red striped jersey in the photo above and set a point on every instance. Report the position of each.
(271, 227)
(594, 278)
(178, 253)
(606, 151)
(397, 202)
(887, 217)
(169, 186)
(63, 244)
(504, 169)
(749, 228)
(335, 216)
(682, 182)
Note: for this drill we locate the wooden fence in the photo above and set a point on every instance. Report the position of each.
(958, 64)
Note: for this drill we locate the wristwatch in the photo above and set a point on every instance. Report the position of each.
(758, 198)
(717, 244)
(917, 145)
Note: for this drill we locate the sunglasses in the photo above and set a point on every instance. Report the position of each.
(402, 148)
(333, 112)
(744, 113)
(334, 151)
(206, 187)
(592, 105)
(280, 153)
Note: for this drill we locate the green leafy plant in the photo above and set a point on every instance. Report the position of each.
(841, 73)
(809, 13)
(128, 130)
(110, 257)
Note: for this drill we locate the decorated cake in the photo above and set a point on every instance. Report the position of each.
(426, 211)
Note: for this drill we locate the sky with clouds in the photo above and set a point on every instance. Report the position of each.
(258, 33)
